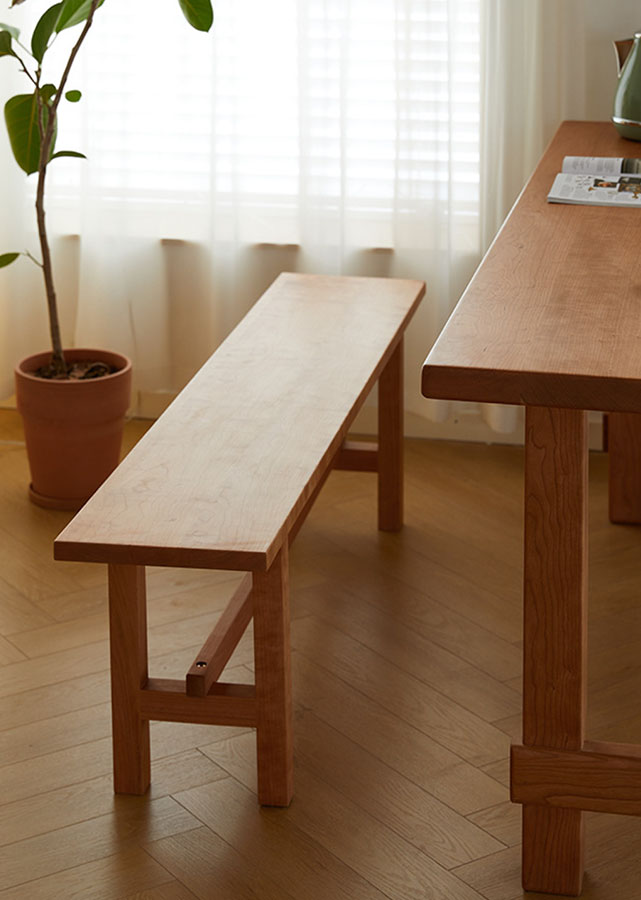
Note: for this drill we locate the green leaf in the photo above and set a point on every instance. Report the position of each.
(73, 96)
(47, 91)
(68, 153)
(74, 12)
(21, 117)
(13, 31)
(5, 44)
(7, 258)
(43, 31)
(199, 13)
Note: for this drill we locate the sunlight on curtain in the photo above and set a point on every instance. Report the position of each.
(533, 77)
(336, 136)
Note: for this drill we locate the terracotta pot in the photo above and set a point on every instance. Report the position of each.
(73, 429)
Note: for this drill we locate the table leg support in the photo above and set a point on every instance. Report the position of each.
(624, 457)
(274, 732)
(390, 443)
(555, 631)
(128, 646)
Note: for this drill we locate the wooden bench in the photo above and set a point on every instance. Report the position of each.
(224, 480)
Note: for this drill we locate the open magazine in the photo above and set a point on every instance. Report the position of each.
(598, 181)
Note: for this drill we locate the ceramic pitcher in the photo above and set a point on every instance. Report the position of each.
(627, 99)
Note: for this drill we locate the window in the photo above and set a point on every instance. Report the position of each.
(288, 109)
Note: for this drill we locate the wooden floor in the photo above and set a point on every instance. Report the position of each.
(407, 695)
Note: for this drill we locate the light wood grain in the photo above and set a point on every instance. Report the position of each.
(378, 789)
(172, 890)
(434, 766)
(408, 601)
(274, 731)
(551, 317)
(554, 631)
(92, 839)
(555, 579)
(403, 694)
(380, 858)
(47, 811)
(89, 757)
(262, 420)
(213, 868)
(440, 602)
(603, 777)
(133, 872)
(408, 649)
(502, 821)
(215, 653)
(165, 700)
(128, 643)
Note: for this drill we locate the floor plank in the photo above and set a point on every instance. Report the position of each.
(406, 665)
(128, 875)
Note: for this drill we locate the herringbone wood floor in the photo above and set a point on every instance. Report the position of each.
(407, 690)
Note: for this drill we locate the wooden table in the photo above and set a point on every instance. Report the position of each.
(552, 320)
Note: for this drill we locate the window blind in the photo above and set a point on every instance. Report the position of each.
(288, 109)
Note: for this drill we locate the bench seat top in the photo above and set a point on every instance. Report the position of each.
(220, 478)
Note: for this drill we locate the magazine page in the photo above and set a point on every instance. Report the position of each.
(621, 190)
(601, 165)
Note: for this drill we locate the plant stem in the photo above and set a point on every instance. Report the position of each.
(57, 359)
(32, 258)
(58, 363)
(25, 69)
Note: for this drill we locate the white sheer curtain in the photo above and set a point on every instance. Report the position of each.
(308, 135)
(346, 136)
(533, 77)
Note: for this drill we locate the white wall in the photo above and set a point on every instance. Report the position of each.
(605, 21)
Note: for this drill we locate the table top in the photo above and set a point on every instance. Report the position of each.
(552, 316)
(220, 478)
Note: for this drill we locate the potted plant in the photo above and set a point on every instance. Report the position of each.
(73, 402)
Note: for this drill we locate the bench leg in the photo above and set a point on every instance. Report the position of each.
(390, 443)
(274, 732)
(554, 631)
(128, 643)
(624, 452)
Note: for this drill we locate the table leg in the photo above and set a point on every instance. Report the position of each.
(624, 450)
(128, 645)
(390, 443)
(555, 631)
(274, 732)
